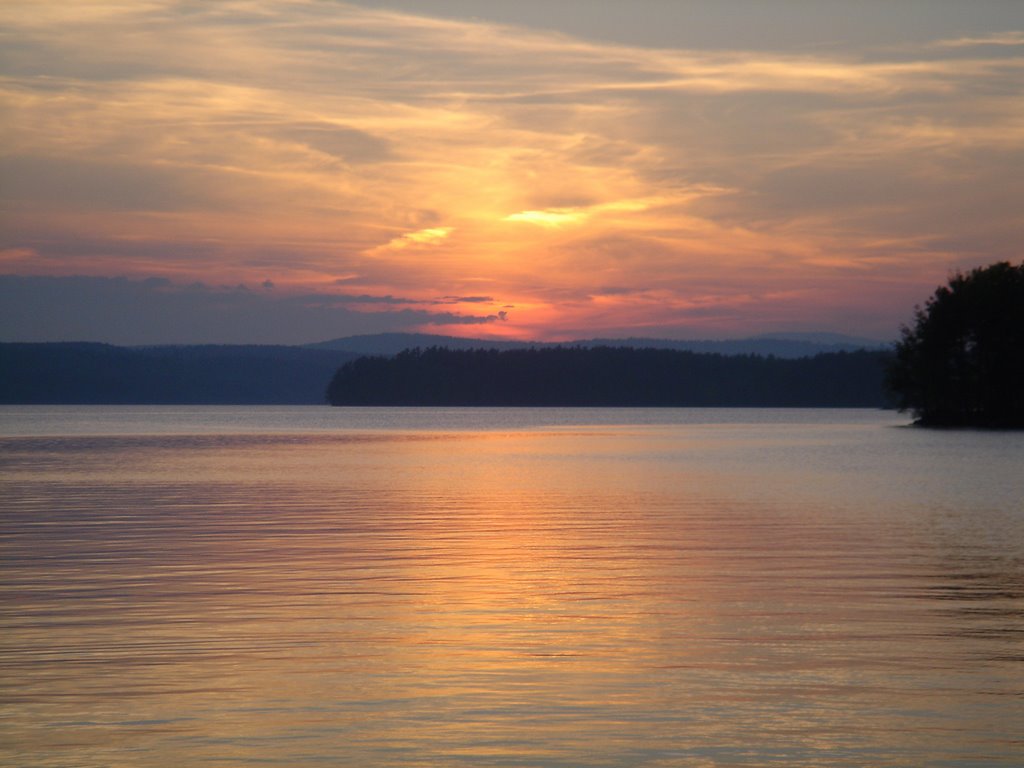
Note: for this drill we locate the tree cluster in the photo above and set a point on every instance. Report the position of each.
(962, 361)
(608, 376)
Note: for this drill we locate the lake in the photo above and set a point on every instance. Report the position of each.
(291, 586)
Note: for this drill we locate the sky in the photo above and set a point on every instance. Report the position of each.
(290, 171)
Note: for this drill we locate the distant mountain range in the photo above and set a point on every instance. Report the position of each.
(779, 345)
(86, 372)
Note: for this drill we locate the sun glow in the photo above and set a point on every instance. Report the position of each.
(547, 169)
(551, 218)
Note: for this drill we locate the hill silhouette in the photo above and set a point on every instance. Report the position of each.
(90, 373)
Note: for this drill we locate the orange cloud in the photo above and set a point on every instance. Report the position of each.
(431, 157)
(423, 237)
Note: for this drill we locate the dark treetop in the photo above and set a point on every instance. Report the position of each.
(962, 362)
(609, 376)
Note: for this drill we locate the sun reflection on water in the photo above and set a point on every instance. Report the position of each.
(594, 595)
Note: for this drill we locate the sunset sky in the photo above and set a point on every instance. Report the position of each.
(289, 171)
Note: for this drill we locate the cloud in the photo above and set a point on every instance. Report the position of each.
(158, 311)
(342, 142)
(1009, 38)
(564, 216)
(411, 156)
(551, 218)
(98, 184)
(452, 319)
(424, 237)
(331, 299)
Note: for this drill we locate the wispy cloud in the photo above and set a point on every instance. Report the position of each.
(429, 236)
(558, 217)
(1010, 38)
(423, 157)
(159, 311)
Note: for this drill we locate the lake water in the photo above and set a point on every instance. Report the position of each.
(489, 587)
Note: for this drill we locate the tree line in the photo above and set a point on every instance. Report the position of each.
(610, 376)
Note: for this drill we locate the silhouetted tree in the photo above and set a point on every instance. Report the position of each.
(962, 362)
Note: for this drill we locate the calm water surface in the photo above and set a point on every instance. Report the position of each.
(488, 587)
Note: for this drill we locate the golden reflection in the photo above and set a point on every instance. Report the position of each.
(599, 595)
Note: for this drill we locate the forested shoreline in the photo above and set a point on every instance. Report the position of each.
(610, 376)
(84, 373)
